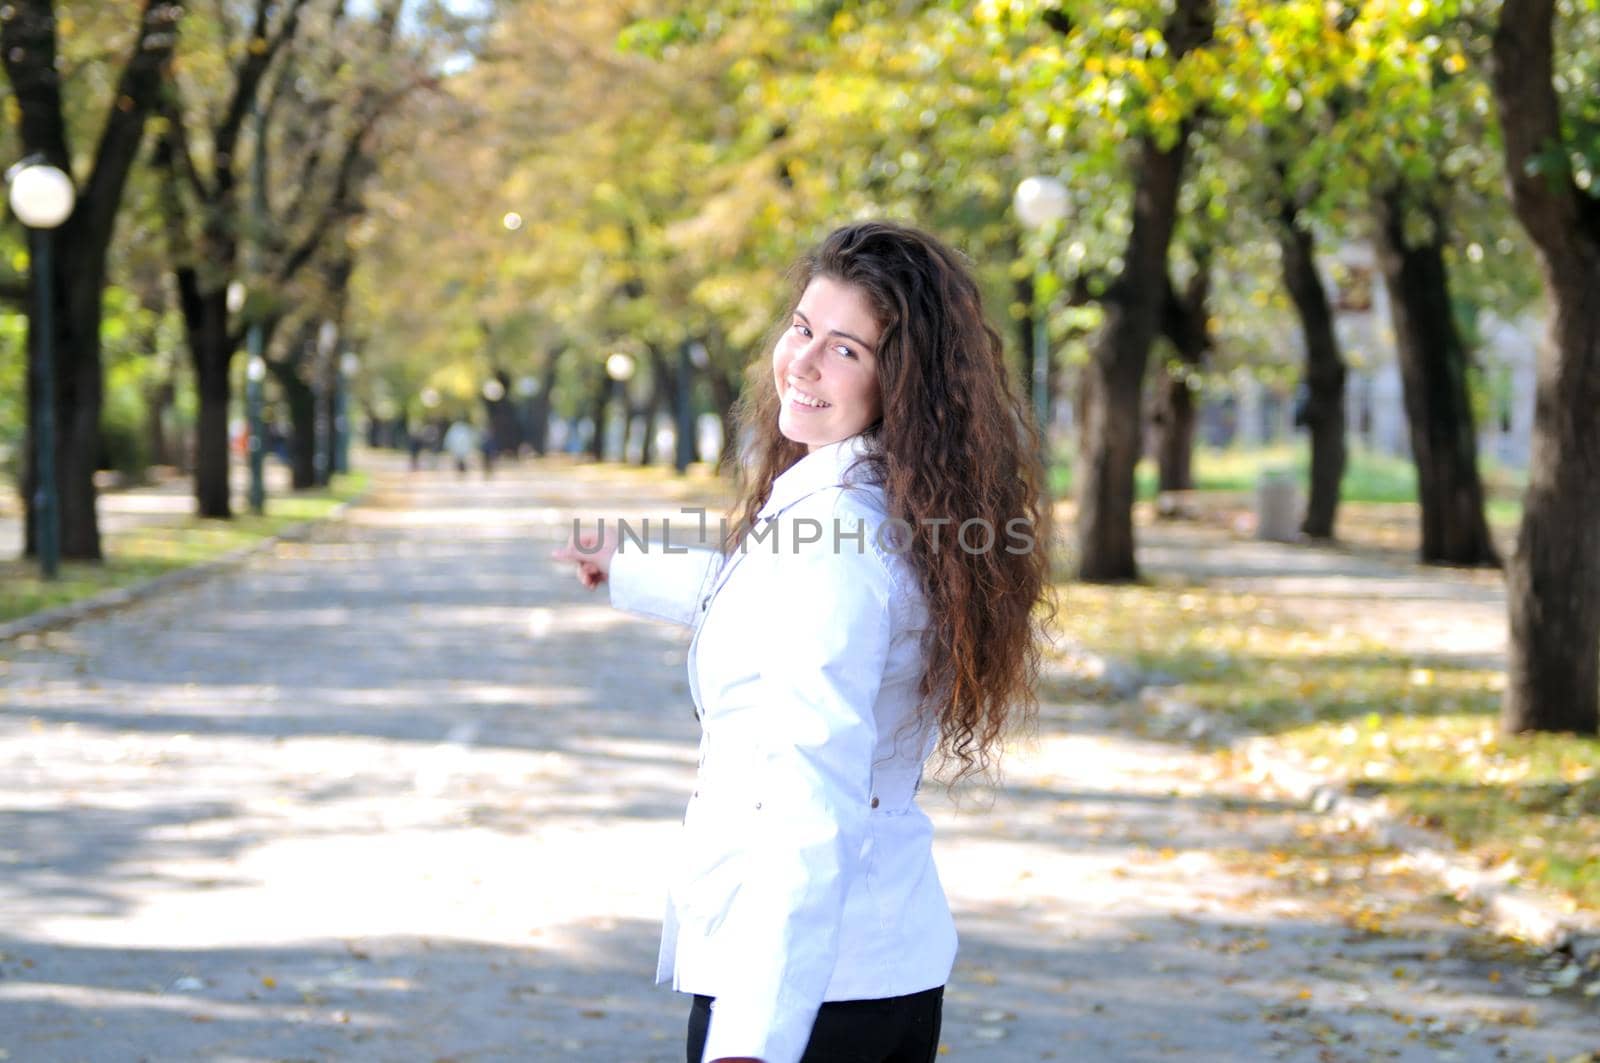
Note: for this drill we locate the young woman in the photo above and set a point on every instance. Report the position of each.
(874, 603)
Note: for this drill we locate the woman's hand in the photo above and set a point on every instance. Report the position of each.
(591, 554)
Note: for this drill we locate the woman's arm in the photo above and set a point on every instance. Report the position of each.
(653, 580)
(662, 585)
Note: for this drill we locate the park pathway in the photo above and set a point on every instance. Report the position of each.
(403, 792)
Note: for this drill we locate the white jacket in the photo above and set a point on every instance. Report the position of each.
(806, 868)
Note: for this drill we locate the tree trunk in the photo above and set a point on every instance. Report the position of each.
(724, 396)
(325, 365)
(1324, 372)
(77, 280)
(539, 426)
(663, 381)
(1433, 370)
(205, 318)
(302, 403)
(1113, 379)
(28, 49)
(1111, 384)
(1174, 418)
(504, 426)
(1022, 292)
(158, 399)
(1173, 413)
(1553, 580)
(599, 405)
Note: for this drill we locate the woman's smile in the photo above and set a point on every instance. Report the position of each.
(804, 401)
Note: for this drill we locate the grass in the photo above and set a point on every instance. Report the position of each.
(1370, 476)
(1421, 732)
(148, 551)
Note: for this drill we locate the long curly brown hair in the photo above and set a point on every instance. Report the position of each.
(954, 444)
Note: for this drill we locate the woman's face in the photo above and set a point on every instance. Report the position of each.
(825, 366)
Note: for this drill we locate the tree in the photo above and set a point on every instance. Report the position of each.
(1324, 367)
(28, 37)
(1185, 325)
(1553, 580)
(1112, 383)
(1433, 370)
(1413, 127)
(204, 215)
(1288, 201)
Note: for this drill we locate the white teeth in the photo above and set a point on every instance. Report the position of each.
(806, 400)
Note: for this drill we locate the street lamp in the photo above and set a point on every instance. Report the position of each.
(530, 430)
(255, 371)
(1041, 203)
(327, 339)
(692, 355)
(42, 198)
(619, 367)
(348, 365)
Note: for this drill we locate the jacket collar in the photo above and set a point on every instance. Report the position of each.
(824, 467)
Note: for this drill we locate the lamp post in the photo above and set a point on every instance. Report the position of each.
(255, 371)
(691, 356)
(327, 339)
(348, 366)
(495, 437)
(527, 392)
(1041, 203)
(619, 367)
(42, 198)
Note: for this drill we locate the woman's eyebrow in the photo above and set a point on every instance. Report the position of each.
(838, 332)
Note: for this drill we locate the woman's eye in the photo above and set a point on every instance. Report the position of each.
(802, 330)
(847, 352)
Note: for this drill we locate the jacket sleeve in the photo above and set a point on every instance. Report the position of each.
(819, 678)
(666, 586)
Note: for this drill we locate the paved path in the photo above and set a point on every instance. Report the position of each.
(402, 792)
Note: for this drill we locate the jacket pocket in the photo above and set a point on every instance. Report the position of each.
(712, 865)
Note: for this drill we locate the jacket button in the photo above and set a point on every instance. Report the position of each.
(874, 802)
(758, 804)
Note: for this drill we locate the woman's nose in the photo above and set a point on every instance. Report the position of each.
(804, 362)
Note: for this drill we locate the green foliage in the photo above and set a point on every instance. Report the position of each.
(13, 390)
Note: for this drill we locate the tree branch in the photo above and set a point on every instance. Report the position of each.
(137, 95)
(339, 203)
(258, 57)
(176, 141)
(1542, 189)
(28, 47)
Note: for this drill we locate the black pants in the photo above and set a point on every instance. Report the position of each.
(890, 1030)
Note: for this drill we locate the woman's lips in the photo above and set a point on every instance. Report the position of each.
(796, 398)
